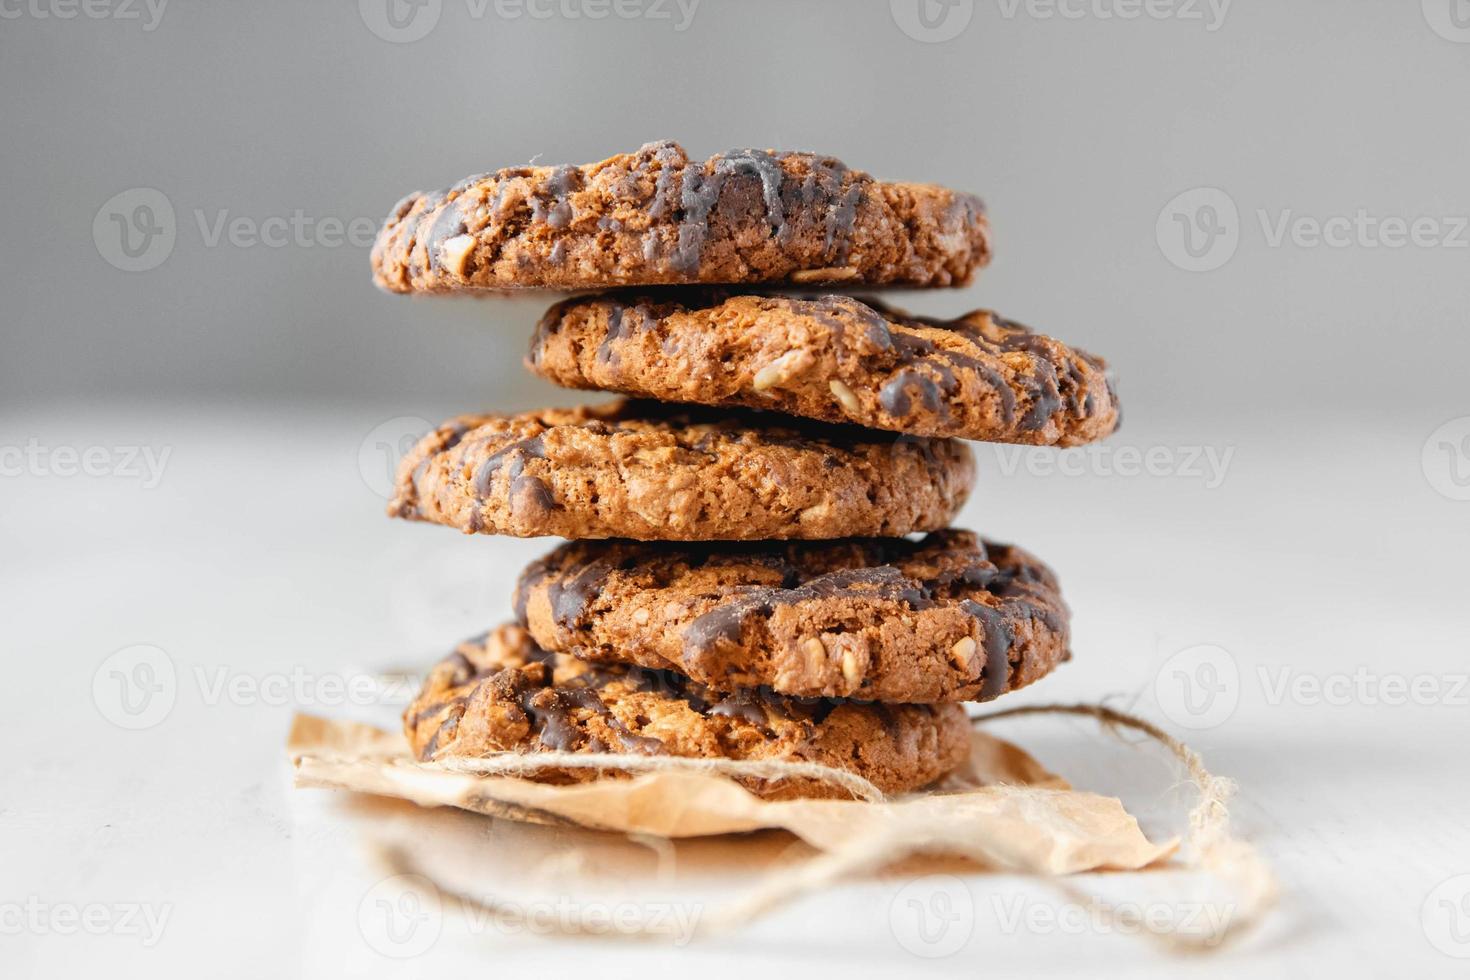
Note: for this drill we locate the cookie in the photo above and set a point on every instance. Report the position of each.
(502, 693)
(835, 358)
(947, 618)
(655, 217)
(652, 471)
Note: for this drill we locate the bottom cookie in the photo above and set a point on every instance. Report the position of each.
(502, 693)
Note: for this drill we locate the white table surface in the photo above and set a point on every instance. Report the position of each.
(262, 551)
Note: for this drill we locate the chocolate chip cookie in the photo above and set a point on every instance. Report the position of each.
(656, 217)
(947, 618)
(836, 358)
(652, 471)
(502, 693)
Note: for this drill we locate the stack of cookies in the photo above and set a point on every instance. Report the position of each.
(761, 564)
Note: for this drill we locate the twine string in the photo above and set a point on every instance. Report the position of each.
(772, 770)
(1208, 841)
(1211, 846)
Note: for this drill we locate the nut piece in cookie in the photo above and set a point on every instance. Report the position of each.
(501, 693)
(652, 471)
(656, 217)
(947, 618)
(833, 358)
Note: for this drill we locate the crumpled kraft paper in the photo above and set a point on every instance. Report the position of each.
(1006, 811)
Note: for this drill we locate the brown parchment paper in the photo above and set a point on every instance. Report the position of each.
(1006, 811)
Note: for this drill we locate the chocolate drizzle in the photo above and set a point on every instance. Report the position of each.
(512, 458)
(725, 623)
(530, 495)
(693, 192)
(745, 705)
(449, 224)
(570, 598)
(699, 193)
(997, 633)
(555, 209)
(623, 322)
(894, 397)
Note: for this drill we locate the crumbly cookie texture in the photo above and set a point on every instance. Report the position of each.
(948, 618)
(835, 358)
(651, 471)
(501, 693)
(656, 217)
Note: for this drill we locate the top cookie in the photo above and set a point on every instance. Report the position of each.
(834, 358)
(655, 217)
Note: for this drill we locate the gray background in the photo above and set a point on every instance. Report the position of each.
(1326, 383)
(1076, 132)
